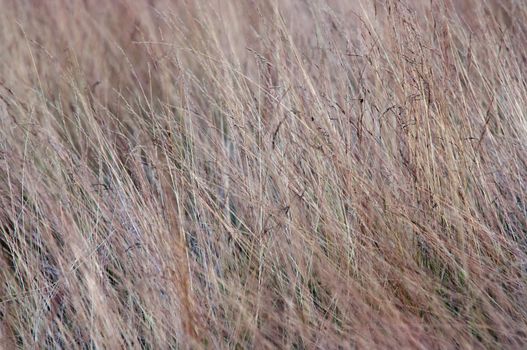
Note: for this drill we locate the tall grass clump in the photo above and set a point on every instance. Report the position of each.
(325, 174)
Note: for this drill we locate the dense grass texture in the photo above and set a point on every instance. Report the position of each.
(228, 174)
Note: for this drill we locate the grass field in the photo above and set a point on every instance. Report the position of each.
(232, 174)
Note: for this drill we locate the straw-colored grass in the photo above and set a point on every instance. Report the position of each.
(323, 174)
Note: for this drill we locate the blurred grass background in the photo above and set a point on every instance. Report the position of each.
(324, 174)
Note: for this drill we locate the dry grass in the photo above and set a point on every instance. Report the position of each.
(324, 174)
